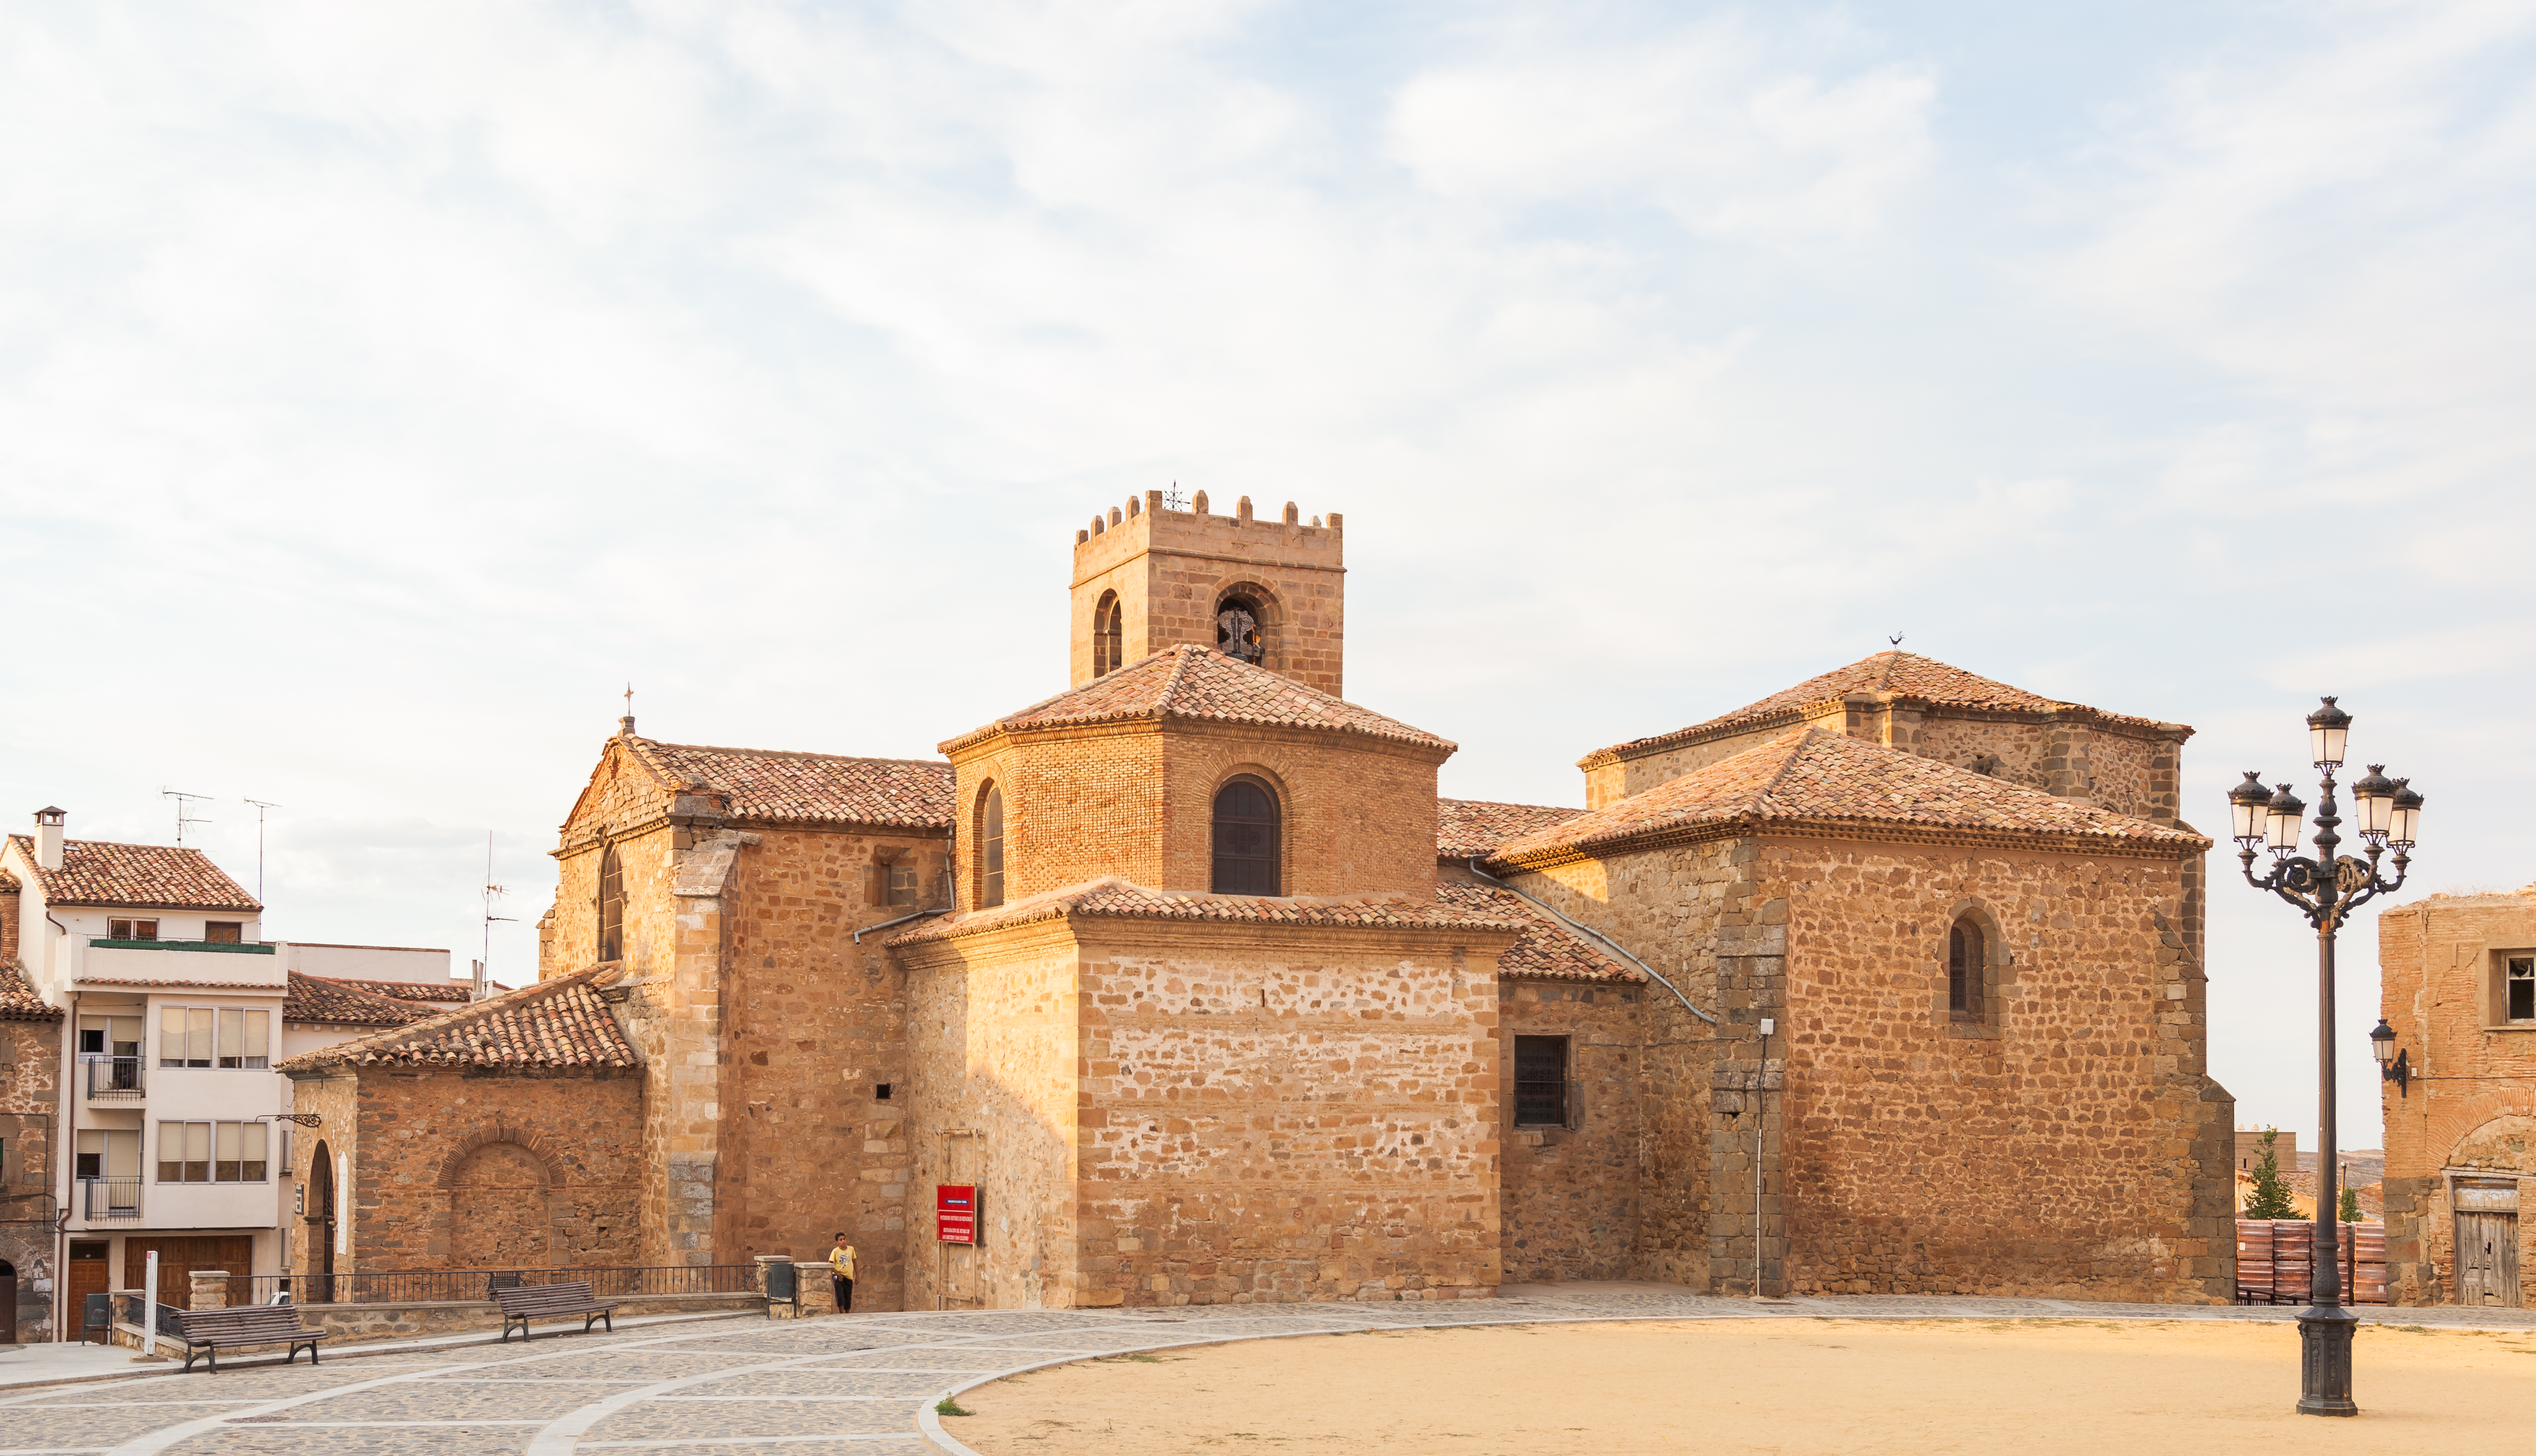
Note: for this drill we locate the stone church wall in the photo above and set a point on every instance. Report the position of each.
(31, 1061)
(2065, 1150)
(1573, 1197)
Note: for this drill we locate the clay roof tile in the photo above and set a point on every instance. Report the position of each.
(116, 877)
(1191, 681)
(771, 786)
(555, 1024)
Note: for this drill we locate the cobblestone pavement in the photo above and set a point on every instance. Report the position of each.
(857, 1385)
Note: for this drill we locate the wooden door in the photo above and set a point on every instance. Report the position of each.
(178, 1258)
(2487, 1258)
(90, 1273)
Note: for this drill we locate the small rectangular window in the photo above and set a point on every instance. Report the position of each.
(127, 930)
(902, 884)
(242, 1038)
(1540, 1081)
(2522, 988)
(223, 932)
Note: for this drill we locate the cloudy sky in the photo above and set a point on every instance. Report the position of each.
(383, 387)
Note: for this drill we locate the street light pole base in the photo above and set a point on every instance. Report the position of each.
(2325, 1361)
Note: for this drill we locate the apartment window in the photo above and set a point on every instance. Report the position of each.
(124, 929)
(223, 932)
(110, 1035)
(2520, 988)
(212, 1153)
(106, 1154)
(215, 1037)
(1245, 839)
(1540, 1081)
(990, 849)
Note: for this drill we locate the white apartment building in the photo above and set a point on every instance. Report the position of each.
(176, 1129)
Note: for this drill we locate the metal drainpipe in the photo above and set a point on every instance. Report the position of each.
(1598, 935)
(1760, 1139)
(901, 921)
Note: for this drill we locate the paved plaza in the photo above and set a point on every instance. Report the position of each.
(860, 1384)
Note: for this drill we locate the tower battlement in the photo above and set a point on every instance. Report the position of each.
(1147, 577)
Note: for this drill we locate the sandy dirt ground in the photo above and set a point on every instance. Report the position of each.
(1783, 1387)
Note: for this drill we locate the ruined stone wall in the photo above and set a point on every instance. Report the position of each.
(2080, 1107)
(815, 1030)
(30, 1092)
(415, 1153)
(1287, 1113)
(2441, 960)
(1170, 568)
(994, 1056)
(1571, 1197)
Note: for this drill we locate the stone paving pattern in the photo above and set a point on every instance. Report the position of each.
(858, 1384)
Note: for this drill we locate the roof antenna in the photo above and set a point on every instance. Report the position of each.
(260, 806)
(184, 818)
(493, 892)
(625, 724)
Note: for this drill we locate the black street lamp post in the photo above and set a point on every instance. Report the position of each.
(2326, 888)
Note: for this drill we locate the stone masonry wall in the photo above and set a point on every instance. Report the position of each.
(417, 1136)
(29, 1090)
(1170, 569)
(1571, 1198)
(2473, 1104)
(816, 1028)
(2081, 1108)
(1274, 1114)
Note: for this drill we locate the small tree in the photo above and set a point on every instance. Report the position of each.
(2350, 1209)
(2271, 1196)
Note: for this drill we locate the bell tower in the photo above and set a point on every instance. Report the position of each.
(1153, 576)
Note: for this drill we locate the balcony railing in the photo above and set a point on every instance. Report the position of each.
(113, 1078)
(109, 1198)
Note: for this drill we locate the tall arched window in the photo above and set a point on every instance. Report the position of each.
(1964, 962)
(1245, 839)
(612, 907)
(990, 847)
(1108, 636)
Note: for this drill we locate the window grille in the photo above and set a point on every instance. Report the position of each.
(1540, 1081)
(1245, 839)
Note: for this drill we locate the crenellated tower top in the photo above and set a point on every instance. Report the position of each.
(1148, 577)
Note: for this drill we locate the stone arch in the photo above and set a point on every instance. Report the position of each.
(500, 1195)
(1261, 601)
(2502, 1145)
(446, 1176)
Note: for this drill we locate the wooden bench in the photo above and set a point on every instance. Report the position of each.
(204, 1331)
(550, 1302)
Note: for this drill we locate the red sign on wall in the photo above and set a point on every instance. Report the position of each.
(955, 1213)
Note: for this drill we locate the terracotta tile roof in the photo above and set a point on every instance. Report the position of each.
(315, 999)
(1191, 681)
(1906, 675)
(1547, 950)
(1470, 827)
(1117, 899)
(19, 1001)
(1819, 779)
(413, 991)
(95, 872)
(773, 787)
(558, 1023)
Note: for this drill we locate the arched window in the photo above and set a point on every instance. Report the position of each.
(1240, 630)
(1108, 636)
(1245, 839)
(612, 907)
(1965, 992)
(990, 847)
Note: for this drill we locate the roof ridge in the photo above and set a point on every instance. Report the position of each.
(445, 1021)
(1796, 742)
(1172, 684)
(923, 763)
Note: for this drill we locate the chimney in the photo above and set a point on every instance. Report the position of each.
(48, 839)
(481, 989)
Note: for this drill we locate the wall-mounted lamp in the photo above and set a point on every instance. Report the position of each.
(2392, 1065)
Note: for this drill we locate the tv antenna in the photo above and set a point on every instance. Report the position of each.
(493, 892)
(184, 814)
(260, 806)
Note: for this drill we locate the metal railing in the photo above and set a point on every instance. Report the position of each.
(420, 1286)
(109, 1198)
(113, 1077)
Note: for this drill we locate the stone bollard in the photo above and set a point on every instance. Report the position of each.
(765, 1265)
(818, 1295)
(211, 1290)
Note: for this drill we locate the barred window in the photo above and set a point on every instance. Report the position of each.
(1540, 1081)
(1245, 839)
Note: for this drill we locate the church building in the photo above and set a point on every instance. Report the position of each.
(1889, 983)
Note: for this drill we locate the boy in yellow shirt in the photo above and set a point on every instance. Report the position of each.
(841, 1269)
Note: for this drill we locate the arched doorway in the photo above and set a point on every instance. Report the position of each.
(319, 1222)
(7, 1302)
